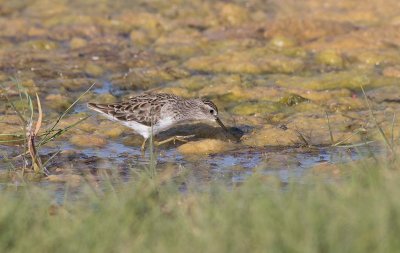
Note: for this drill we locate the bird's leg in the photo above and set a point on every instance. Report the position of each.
(142, 148)
(174, 139)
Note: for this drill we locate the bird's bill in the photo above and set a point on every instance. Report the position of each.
(221, 124)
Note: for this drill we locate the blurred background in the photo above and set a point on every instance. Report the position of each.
(286, 75)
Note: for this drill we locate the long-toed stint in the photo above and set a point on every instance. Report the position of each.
(153, 113)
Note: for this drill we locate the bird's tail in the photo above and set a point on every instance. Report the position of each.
(102, 108)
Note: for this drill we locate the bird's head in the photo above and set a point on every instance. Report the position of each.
(207, 110)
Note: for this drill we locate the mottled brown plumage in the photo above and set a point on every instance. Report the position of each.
(144, 109)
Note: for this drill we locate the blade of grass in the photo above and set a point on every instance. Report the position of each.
(22, 115)
(15, 135)
(23, 135)
(70, 107)
(18, 83)
(392, 130)
(5, 158)
(15, 108)
(29, 99)
(51, 157)
(26, 141)
(15, 140)
(356, 144)
(153, 160)
(37, 164)
(40, 117)
(348, 138)
(371, 113)
(57, 133)
(329, 127)
(20, 93)
(302, 138)
(61, 131)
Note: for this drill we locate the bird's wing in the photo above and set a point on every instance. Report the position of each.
(144, 109)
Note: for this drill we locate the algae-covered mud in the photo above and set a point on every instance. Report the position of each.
(299, 82)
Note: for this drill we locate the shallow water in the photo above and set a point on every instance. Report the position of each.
(286, 75)
(229, 168)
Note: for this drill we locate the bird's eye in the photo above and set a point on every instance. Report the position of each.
(212, 111)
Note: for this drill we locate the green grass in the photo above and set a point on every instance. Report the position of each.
(358, 213)
(30, 126)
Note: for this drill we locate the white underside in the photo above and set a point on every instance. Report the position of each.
(144, 130)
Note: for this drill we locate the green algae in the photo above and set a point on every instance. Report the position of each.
(233, 14)
(252, 61)
(292, 99)
(77, 42)
(94, 69)
(256, 108)
(40, 45)
(280, 41)
(336, 80)
(147, 78)
(330, 58)
(272, 136)
(58, 102)
(88, 141)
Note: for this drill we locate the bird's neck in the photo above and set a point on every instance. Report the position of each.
(184, 110)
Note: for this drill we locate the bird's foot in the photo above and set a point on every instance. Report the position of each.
(174, 139)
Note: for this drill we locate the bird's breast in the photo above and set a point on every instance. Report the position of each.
(164, 124)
